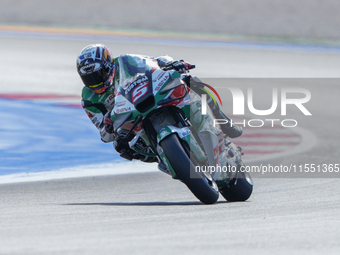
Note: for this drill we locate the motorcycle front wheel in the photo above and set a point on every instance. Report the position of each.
(183, 162)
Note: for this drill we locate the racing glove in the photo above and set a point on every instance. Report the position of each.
(121, 144)
(108, 123)
(180, 66)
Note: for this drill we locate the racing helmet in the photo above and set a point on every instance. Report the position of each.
(96, 67)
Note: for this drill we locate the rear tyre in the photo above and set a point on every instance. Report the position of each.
(238, 189)
(200, 184)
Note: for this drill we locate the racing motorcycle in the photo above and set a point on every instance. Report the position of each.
(164, 116)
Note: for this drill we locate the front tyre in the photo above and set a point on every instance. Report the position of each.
(201, 185)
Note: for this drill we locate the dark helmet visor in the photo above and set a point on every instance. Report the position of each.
(95, 80)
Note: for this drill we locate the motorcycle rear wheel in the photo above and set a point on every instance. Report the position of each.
(239, 189)
(200, 184)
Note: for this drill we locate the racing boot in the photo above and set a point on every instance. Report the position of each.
(231, 130)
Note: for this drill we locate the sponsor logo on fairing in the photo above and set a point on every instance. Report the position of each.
(159, 76)
(124, 109)
(161, 83)
(121, 103)
(140, 81)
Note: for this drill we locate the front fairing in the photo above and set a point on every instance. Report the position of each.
(138, 81)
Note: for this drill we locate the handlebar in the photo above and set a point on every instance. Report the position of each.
(171, 67)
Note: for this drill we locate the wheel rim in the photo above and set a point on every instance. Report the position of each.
(208, 179)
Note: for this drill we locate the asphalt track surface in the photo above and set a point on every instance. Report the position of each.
(149, 213)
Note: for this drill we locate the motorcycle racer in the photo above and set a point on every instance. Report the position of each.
(99, 72)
